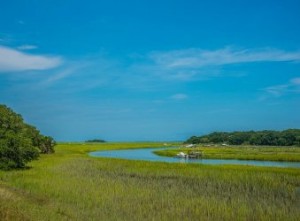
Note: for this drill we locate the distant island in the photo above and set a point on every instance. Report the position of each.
(290, 137)
(95, 141)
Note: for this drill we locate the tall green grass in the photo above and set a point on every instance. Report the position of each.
(240, 152)
(69, 185)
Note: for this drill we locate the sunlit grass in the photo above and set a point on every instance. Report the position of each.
(240, 152)
(70, 185)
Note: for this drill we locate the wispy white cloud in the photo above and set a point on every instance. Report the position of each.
(293, 86)
(27, 47)
(198, 64)
(12, 60)
(197, 58)
(179, 97)
(277, 90)
(58, 76)
(71, 68)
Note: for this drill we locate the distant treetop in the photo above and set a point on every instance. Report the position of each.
(95, 141)
(290, 137)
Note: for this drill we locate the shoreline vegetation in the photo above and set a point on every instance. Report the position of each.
(267, 153)
(289, 137)
(70, 185)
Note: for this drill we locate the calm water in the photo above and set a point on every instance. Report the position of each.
(148, 155)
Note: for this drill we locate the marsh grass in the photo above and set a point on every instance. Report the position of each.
(69, 185)
(240, 153)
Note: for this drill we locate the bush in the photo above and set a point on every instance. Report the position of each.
(19, 142)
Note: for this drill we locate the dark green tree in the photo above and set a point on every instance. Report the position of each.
(19, 142)
(266, 137)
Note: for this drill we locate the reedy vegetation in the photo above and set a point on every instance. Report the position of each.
(240, 152)
(70, 185)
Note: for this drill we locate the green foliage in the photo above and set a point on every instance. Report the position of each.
(16, 151)
(289, 137)
(20, 142)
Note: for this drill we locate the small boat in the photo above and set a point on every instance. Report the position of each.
(182, 155)
(192, 154)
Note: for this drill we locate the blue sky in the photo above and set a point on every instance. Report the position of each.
(150, 70)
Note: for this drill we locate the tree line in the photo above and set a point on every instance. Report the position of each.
(95, 141)
(290, 137)
(20, 142)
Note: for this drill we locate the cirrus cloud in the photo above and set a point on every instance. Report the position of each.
(198, 58)
(293, 86)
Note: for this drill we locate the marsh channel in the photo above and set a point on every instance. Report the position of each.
(146, 154)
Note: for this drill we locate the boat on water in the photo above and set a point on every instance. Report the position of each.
(192, 154)
(181, 155)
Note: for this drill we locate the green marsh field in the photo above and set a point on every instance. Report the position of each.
(266, 153)
(70, 185)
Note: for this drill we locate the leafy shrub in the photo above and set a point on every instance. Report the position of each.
(19, 142)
